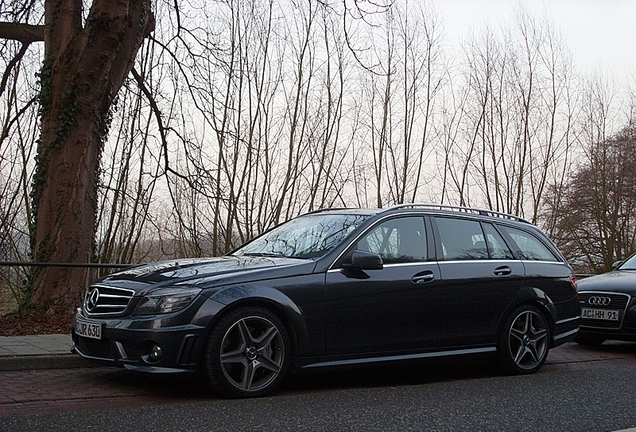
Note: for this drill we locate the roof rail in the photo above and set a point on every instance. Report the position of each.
(483, 212)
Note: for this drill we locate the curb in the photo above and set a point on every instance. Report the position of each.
(45, 361)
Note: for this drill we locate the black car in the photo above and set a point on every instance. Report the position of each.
(336, 288)
(608, 305)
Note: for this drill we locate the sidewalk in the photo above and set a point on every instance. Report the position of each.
(38, 352)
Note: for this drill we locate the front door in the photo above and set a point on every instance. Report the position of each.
(391, 309)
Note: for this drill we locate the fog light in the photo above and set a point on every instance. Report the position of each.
(156, 353)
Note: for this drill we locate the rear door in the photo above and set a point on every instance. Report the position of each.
(480, 277)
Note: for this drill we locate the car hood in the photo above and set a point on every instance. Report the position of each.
(617, 280)
(207, 272)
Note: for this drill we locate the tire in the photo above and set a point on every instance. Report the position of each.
(247, 353)
(587, 339)
(524, 341)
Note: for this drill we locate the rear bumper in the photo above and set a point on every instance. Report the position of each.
(565, 331)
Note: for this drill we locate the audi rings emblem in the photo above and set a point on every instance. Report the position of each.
(599, 301)
(92, 297)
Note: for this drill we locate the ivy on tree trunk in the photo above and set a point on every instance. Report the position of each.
(85, 65)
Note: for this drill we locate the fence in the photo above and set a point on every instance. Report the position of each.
(12, 289)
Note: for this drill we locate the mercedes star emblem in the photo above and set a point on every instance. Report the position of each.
(91, 299)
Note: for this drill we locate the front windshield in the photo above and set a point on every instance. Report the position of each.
(629, 263)
(310, 236)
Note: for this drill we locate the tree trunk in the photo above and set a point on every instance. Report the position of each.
(84, 68)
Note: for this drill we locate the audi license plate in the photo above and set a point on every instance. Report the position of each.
(88, 329)
(599, 314)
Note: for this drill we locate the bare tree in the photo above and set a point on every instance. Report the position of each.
(402, 99)
(596, 224)
(238, 115)
(86, 59)
(516, 116)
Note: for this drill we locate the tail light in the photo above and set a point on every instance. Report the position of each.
(574, 286)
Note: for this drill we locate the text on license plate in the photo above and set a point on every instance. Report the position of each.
(599, 314)
(88, 329)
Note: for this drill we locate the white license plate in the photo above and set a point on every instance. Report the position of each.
(88, 329)
(599, 314)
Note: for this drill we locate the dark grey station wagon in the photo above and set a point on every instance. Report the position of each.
(340, 287)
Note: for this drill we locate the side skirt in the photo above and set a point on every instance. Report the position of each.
(383, 359)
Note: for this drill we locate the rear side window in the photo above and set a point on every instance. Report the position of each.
(530, 247)
(461, 239)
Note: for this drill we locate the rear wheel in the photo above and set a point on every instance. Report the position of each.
(247, 354)
(524, 341)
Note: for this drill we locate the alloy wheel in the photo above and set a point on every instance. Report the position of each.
(252, 353)
(528, 340)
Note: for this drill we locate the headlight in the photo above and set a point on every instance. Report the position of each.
(165, 300)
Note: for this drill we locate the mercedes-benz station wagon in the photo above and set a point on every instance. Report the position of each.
(340, 287)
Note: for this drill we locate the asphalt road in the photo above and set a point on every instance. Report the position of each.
(578, 390)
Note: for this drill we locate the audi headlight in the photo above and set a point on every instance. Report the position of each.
(166, 300)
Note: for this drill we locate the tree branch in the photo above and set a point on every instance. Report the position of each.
(25, 33)
(10, 66)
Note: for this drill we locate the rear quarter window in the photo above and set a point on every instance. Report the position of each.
(496, 244)
(531, 248)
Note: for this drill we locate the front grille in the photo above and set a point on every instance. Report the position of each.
(105, 300)
(101, 349)
(604, 301)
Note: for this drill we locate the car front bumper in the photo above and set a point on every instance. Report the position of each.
(148, 344)
(622, 329)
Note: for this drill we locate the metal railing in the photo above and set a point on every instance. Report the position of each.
(50, 264)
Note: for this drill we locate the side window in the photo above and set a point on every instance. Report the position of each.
(531, 248)
(461, 239)
(397, 240)
(496, 244)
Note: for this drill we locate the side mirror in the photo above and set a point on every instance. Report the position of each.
(616, 264)
(365, 260)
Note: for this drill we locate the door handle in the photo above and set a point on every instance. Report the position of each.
(423, 278)
(502, 271)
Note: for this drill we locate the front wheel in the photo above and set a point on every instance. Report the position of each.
(247, 354)
(524, 341)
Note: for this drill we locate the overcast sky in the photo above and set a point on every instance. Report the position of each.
(600, 33)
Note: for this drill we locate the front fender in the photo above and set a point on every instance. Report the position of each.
(275, 300)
